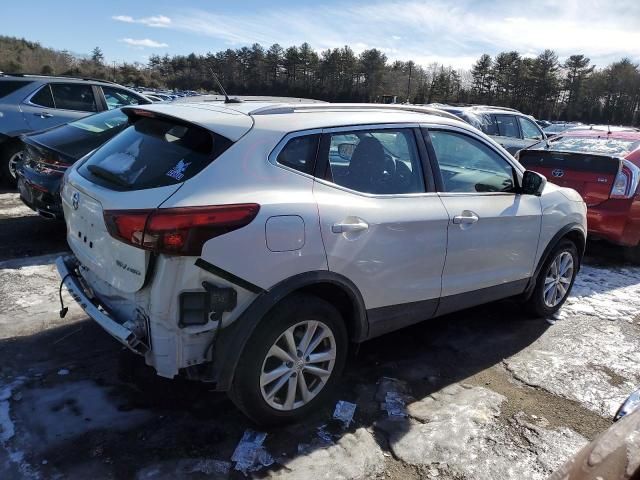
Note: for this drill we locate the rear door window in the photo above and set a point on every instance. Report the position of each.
(116, 97)
(507, 126)
(43, 98)
(151, 153)
(74, 96)
(9, 86)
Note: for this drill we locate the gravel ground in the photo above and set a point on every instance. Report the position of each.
(484, 393)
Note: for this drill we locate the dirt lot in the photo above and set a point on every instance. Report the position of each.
(489, 393)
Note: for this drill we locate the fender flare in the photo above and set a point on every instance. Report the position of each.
(231, 341)
(555, 240)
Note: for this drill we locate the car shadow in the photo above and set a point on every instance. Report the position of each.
(29, 236)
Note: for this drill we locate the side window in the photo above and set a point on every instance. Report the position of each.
(74, 96)
(117, 97)
(507, 126)
(376, 161)
(300, 153)
(468, 165)
(529, 130)
(43, 98)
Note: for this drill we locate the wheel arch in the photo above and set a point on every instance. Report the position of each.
(329, 286)
(573, 232)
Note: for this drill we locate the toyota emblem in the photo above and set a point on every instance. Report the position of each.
(557, 173)
(75, 200)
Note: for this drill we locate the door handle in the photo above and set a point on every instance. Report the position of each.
(467, 218)
(43, 115)
(346, 227)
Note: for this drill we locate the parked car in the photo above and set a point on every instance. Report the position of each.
(33, 102)
(510, 128)
(605, 168)
(543, 123)
(557, 128)
(612, 455)
(48, 154)
(247, 244)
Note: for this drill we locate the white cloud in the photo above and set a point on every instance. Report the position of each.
(159, 21)
(143, 42)
(453, 33)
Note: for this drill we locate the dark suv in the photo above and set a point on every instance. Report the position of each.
(509, 127)
(33, 102)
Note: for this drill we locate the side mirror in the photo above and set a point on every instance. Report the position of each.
(345, 150)
(628, 406)
(533, 183)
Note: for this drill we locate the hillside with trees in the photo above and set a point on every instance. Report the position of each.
(544, 86)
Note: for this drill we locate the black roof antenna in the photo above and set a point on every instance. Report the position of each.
(224, 92)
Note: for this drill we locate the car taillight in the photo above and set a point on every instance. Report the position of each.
(177, 231)
(626, 182)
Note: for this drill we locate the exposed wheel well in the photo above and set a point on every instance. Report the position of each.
(578, 240)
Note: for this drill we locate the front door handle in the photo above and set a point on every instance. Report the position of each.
(467, 218)
(43, 115)
(357, 225)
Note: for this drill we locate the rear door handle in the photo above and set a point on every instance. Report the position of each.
(467, 218)
(43, 115)
(350, 226)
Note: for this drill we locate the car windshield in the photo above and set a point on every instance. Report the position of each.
(101, 122)
(600, 145)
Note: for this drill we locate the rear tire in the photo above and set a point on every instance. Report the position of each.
(282, 376)
(555, 280)
(10, 156)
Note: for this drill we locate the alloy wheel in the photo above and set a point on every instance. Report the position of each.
(558, 279)
(14, 160)
(298, 365)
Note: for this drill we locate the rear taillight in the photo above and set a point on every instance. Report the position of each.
(177, 231)
(626, 182)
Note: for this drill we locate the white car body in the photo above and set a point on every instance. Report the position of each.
(404, 257)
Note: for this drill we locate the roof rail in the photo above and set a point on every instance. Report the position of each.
(315, 107)
(490, 107)
(70, 77)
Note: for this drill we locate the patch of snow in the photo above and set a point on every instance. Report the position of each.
(356, 456)
(344, 412)
(458, 429)
(63, 371)
(185, 468)
(250, 455)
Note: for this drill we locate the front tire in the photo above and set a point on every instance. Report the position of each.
(292, 361)
(555, 280)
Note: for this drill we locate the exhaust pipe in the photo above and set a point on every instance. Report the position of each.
(45, 214)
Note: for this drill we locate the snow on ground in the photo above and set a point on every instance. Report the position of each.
(29, 297)
(12, 206)
(458, 430)
(606, 293)
(593, 354)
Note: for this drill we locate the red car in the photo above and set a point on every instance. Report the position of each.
(604, 167)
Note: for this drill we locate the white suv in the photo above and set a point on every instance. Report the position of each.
(249, 244)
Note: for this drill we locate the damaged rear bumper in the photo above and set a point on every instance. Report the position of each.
(129, 333)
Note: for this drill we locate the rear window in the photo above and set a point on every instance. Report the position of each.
(101, 122)
(600, 146)
(10, 86)
(151, 153)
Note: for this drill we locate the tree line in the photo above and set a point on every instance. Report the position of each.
(543, 86)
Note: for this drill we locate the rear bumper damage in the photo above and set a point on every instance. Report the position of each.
(131, 333)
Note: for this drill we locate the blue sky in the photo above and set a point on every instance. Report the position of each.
(451, 32)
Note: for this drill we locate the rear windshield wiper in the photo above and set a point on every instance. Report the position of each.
(107, 175)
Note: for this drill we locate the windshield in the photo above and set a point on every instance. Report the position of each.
(101, 122)
(604, 146)
(153, 152)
